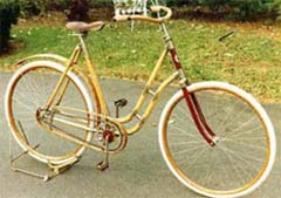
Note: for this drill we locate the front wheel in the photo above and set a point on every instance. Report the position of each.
(244, 153)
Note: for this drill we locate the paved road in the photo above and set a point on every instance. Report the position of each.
(137, 172)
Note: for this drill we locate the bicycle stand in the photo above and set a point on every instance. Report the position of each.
(54, 170)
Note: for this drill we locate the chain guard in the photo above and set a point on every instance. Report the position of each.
(97, 124)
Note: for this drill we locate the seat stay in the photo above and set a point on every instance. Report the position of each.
(59, 90)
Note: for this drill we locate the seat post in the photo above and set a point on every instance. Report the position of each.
(84, 34)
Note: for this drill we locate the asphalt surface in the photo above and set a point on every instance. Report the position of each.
(139, 171)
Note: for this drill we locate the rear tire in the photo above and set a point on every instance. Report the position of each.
(29, 89)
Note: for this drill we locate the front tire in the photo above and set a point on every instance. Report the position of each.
(244, 155)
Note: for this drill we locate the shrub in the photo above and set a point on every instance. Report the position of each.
(60, 5)
(9, 13)
(79, 10)
(241, 9)
(29, 7)
(100, 3)
(32, 8)
(178, 3)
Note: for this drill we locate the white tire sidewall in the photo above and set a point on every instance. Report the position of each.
(244, 95)
(71, 75)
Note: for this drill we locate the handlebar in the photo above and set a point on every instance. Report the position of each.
(154, 9)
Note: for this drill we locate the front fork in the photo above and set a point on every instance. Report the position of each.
(193, 105)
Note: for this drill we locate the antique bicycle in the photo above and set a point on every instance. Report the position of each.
(215, 138)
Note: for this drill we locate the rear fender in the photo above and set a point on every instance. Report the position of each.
(50, 57)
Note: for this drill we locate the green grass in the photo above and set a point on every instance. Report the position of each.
(249, 59)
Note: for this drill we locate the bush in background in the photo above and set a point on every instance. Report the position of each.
(40, 7)
(238, 9)
(79, 10)
(30, 7)
(9, 13)
(242, 9)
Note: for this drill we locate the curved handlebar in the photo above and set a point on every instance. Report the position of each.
(154, 9)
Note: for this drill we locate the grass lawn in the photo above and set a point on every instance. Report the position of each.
(249, 59)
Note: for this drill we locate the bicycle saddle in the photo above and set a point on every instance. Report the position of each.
(83, 27)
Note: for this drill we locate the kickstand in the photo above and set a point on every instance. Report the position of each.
(27, 172)
(55, 169)
(103, 165)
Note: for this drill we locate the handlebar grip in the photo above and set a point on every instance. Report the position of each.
(168, 11)
(135, 17)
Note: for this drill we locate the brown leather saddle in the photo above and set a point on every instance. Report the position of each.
(83, 27)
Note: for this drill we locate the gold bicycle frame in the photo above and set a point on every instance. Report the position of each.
(146, 93)
(100, 122)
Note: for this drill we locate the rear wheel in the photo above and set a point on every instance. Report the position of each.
(28, 90)
(244, 154)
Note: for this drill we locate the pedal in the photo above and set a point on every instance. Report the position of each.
(102, 166)
(120, 104)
